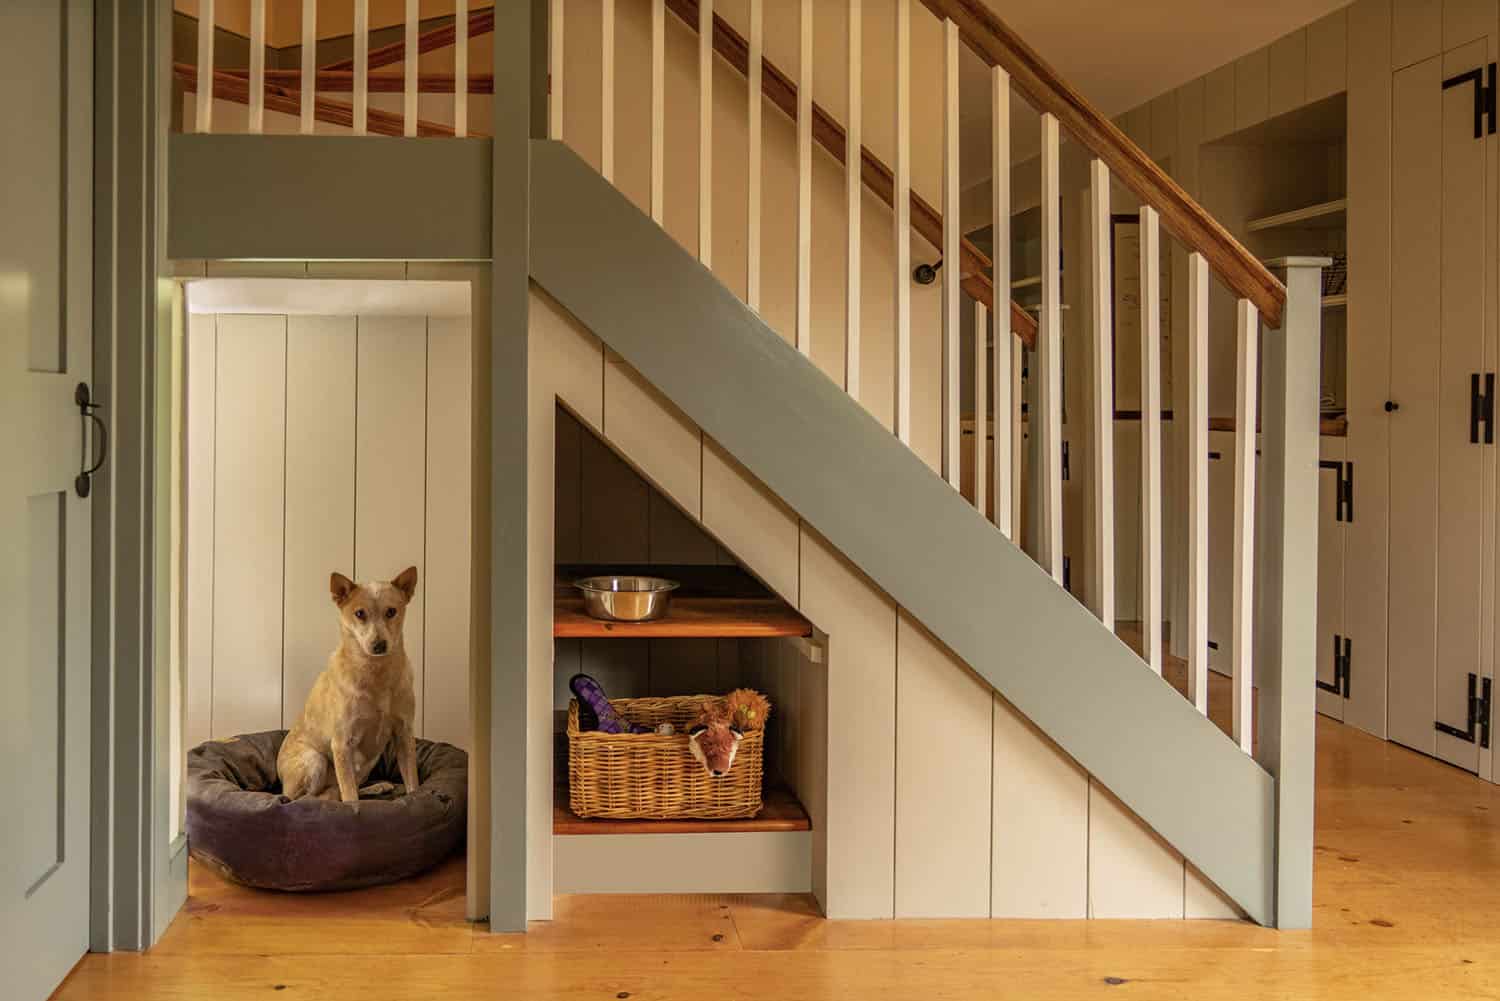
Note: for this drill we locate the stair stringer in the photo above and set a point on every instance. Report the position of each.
(914, 536)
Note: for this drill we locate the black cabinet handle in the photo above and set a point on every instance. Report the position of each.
(84, 482)
(1391, 406)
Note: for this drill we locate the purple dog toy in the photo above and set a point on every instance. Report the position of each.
(595, 711)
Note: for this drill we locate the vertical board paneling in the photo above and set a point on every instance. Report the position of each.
(390, 519)
(943, 723)
(320, 450)
(1288, 73)
(616, 511)
(861, 623)
(248, 509)
(1252, 88)
(1040, 845)
(750, 520)
(1201, 899)
(567, 522)
(1218, 103)
(659, 440)
(1328, 54)
(447, 559)
(198, 596)
(1416, 31)
(1132, 872)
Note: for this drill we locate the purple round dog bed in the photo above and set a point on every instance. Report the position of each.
(239, 824)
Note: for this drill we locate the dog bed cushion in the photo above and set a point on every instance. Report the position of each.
(239, 824)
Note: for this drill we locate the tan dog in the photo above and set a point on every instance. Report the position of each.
(362, 703)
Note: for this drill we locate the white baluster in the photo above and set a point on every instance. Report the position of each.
(952, 257)
(257, 66)
(1049, 349)
(1000, 278)
(705, 131)
(1197, 442)
(555, 70)
(461, 68)
(752, 188)
(203, 119)
(658, 107)
(607, 90)
(1246, 386)
(1103, 394)
(361, 66)
(901, 204)
(309, 65)
(1151, 541)
(855, 189)
(981, 406)
(410, 64)
(1017, 429)
(804, 178)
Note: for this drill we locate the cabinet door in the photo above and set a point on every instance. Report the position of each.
(1440, 234)
(1330, 575)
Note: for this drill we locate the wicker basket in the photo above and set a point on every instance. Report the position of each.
(646, 776)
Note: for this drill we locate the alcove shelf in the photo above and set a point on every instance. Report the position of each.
(713, 601)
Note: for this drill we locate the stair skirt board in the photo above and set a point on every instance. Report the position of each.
(896, 832)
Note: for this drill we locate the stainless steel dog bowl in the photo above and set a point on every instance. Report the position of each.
(626, 599)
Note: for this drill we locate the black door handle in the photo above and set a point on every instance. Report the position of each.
(1391, 406)
(86, 407)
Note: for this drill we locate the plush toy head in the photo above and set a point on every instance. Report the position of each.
(748, 709)
(712, 738)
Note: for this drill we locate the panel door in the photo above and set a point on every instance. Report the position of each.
(1330, 576)
(46, 350)
(1440, 236)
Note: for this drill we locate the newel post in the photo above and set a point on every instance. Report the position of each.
(1286, 672)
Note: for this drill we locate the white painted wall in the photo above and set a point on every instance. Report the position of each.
(314, 444)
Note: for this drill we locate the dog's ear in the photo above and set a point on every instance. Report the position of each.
(340, 587)
(406, 582)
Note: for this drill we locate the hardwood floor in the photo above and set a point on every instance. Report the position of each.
(1408, 876)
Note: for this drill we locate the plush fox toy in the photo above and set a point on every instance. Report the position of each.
(715, 735)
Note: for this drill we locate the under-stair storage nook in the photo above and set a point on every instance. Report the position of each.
(724, 347)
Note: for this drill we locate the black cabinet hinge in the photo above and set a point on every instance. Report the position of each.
(1342, 654)
(1067, 472)
(1483, 79)
(1482, 408)
(1343, 472)
(1479, 714)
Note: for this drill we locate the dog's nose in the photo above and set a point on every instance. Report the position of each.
(380, 646)
(717, 773)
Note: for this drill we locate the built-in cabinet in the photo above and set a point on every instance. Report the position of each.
(1441, 429)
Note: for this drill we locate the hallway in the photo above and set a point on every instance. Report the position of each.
(1408, 856)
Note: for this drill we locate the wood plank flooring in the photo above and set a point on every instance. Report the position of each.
(1408, 861)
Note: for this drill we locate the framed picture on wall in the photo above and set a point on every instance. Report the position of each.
(1125, 289)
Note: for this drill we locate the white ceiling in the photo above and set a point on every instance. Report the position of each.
(1121, 53)
(1119, 62)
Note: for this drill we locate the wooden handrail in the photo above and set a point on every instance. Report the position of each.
(829, 134)
(287, 100)
(994, 42)
(481, 22)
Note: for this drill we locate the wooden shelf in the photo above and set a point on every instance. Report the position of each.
(780, 812)
(688, 616)
(1335, 301)
(713, 601)
(1328, 215)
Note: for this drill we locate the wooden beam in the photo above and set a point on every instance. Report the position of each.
(828, 133)
(1184, 218)
(481, 22)
(288, 101)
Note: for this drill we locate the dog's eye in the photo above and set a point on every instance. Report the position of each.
(390, 613)
(359, 613)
